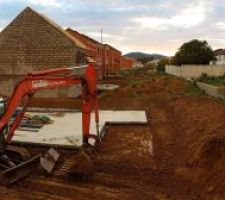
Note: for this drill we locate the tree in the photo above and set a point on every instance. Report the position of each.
(194, 52)
(162, 64)
(145, 59)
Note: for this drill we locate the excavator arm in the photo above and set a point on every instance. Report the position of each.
(50, 79)
(14, 170)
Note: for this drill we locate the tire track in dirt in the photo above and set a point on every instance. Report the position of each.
(162, 128)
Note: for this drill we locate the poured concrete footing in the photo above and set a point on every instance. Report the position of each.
(66, 130)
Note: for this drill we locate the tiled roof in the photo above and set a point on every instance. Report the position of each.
(83, 35)
(219, 52)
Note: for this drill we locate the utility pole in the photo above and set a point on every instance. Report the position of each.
(101, 36)
(103, 54)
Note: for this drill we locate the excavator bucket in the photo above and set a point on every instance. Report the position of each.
(20, 171)
(16, 164)
(81, 166)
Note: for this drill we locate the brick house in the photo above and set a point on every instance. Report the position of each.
(94, 49)
(32, 42)
(107, 58)
(127, 62)
(220, 57)
(111, 60)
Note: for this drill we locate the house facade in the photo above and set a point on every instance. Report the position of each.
(220, 57)
(128, 62)
(109, 60)
(94, 49)
(32, 42)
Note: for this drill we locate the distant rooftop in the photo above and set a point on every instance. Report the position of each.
(219, 52)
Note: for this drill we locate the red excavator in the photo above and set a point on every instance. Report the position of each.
(16, 162)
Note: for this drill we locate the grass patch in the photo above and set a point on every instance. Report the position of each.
(128, 72)
(193, 90)
(212, 80)
(138, 83)
(220, 101)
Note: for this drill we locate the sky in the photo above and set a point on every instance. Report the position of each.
(151, 26)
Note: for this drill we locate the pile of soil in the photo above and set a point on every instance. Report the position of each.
(200, 140)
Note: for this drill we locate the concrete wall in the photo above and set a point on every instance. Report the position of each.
(212, 90)
(195, 71)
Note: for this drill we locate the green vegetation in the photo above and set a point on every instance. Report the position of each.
(138, 83)
(134, 84)
(144, 57)
(134, 71)
(212, 80)
(220, 101)
(128, 72)
(194, 52)
(193, 90)
(42, 118)
(162, 64)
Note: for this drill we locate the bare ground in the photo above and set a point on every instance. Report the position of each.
(186, 161)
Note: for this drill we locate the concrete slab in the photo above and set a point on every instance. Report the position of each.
(67, 129)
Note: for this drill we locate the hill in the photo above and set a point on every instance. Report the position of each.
(141, 55)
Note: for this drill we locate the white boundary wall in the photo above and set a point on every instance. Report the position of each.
(195, 71)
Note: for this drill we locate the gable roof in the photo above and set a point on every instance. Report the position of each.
(68, 30)
(77, 42)
(219, 52)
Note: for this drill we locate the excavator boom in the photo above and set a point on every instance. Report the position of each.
(47, 79)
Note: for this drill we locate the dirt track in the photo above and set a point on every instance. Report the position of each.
(186, 161)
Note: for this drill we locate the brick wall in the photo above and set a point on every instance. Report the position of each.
(107, 58)
(94, 49)
(112, 60)
(32, 43)
(127, 63)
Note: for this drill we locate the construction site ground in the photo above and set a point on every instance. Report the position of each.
(186, 161)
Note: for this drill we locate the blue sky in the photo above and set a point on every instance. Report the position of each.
(153, 26)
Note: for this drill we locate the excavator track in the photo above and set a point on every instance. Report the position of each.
(23, 165)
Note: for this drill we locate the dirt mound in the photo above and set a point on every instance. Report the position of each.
(199, 140)
(156, 84)
(210, 153)
(207, 163)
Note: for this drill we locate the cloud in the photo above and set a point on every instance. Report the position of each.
(189, 17)
(220, 25)
(45, 3)
(132, 25)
